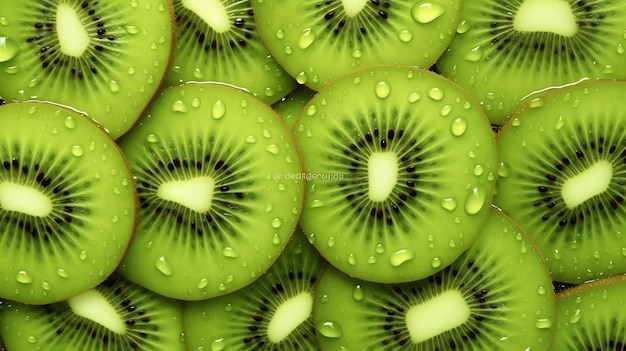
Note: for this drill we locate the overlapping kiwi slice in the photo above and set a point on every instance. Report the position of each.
(563, 175)
(496, 296)
(508, 51)
(116, 315)
(218, 41)
(273, 313)
(218, 199)
(105, 58)
(68, 203)
(401, 167)
(317, 41)
(591, 316)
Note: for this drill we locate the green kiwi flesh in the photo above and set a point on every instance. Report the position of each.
(216, 208)
(290, 106)
(68, 204)
(507, 52)
(496, 296)
(591, 316)
(401, 167)
(562, 178)
(317, 41)
(116, 315)
(104, 58)
(273, 313)
(218, 41)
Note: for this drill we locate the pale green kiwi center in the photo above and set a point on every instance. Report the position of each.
(289, 315)
(92, 305)
(443, 312)
(212, 12)
(23, 199)
(353, 7)
(587, 184)
(553, 16)
(73, 37)
(382, 171)
(195, 193)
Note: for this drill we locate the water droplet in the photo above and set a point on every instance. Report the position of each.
(306, 39)
(218, 110)
(203, 283)
(250, 139)
(311, 110)
(575, 317)
(357, 293)
(357, 53)
(280, 34)
(62, 273)
(46, 286)
(541, 290)
(288, 50)
(218, 344)
(382, 89)
(435, 94)
(221, 287)
(474, 55)
(401, 256)
(435, 262)
(427, 12)
(114, 86)
(380, 248)
(229, 252)
(536, 102)
(266, 134)
(504, 170)
(24, 277)
(405, 35)
(163, 266)
(4, 21)
(414, 97)
(179, 106)
(330, 242)
(620, 49)
(77, 150)
(479, 170)
(445, 110)
(12, 69)
(352, 259)
(8, 48)
(151, 138)
(31, 339)
(69, 122)
(276, 223)
(275, 239)
(475, 200)
(82, 255)
(317, 203)
(463, 27)
(458, 126)
(273, 149)
(330, 329)
(449, 203)
(302, 77)
(543, 323)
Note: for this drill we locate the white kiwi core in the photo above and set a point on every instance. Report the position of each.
(353, 7)
(212, 12)
(92, 305)
(195, 193)
(73, 37)
(290, 314)
(441, 313)
(587, 184)
(382, 171)
(24, 199)
(553, 16)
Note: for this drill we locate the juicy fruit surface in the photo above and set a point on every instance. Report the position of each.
(318, 41)
(104, 58)
(400, 183)
(506, 52)
(218, 204)
(67, 203)
(483, 301)
(562, 178)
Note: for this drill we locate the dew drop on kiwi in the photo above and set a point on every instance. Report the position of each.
(458, 126)
(475, 200)
(229, 252)
(405, 35)
(330, 329)
(436, 94)
(163, 266)
(357, 293)
(218, 110)
(401, 256)
(24, 277)
(427, 12)
(306, 39)
(8, 48)
(179, 106)
(382, 89)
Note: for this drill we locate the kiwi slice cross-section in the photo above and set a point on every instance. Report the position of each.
(68, 205)
(114, 316)
(401, 167)
(219, 197)
(102, 57)
(273, 313)
(496, 296)
(317, 41)
(563, 178)
(507, 52)
(217, 40)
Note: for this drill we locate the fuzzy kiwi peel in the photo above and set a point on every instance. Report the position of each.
(106, 59)
(68, 204)
(562, 178)
(218, 201)
(400, 182)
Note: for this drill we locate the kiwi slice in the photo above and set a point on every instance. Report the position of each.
(591, 316)
(563, 180)
(401, 167)
(507, 52)
(102, 57)
(116, 315)
(290, 106)
(496, 296)
(218, 202)
(273, 313)
(68, 205)
(317, 41)
(218, 41)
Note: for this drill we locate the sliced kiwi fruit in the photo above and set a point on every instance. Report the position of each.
(290, 106)
(102, 57)
(401, 167)
(317, 41)
(496, 296)
(219, 198)
(68, 205)
(507, 52)
(562, 178)
(273, 313)
(116, 315)
(591, 316)
(218, 41)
